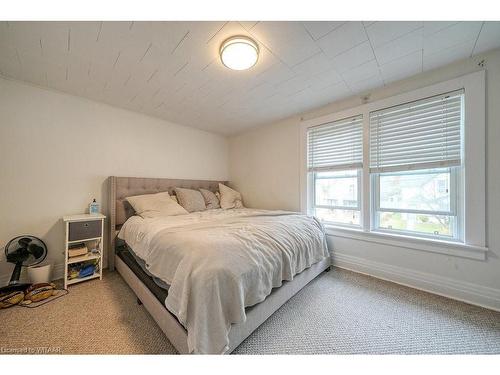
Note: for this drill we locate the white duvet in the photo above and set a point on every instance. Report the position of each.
(217, 262)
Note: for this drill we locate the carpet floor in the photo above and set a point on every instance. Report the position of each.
(340, 312)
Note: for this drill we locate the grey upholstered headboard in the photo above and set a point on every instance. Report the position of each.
(122, 187)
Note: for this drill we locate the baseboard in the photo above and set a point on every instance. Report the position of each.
(459, 290)
(57, 273)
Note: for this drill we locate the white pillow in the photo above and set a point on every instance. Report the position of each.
(154, 205)
(229, 198)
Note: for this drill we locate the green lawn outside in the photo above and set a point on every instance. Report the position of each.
(398, 222)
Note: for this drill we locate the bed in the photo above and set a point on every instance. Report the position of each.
(148, 283)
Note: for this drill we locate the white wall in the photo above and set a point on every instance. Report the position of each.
(264, 166)
(57, 151)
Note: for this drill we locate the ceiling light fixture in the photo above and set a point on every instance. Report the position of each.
(239, 53)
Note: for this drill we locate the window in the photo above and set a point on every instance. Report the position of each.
(418, 202)
(415, 157)
(407, 170)
(336, 196)
(335, 159)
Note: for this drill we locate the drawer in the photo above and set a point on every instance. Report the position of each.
(81, 230)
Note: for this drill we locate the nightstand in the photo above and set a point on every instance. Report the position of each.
(86, 229)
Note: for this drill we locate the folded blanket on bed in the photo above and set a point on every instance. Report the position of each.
(219, 262)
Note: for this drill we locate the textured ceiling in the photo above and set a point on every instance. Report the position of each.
(171, 70)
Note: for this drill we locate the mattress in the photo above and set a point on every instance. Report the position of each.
(125, 254)
(220, 262)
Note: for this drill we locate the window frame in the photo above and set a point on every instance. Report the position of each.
(472, 171)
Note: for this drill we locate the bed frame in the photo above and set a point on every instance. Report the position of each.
(120, 211)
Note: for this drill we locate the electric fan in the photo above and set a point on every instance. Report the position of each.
(23, 251)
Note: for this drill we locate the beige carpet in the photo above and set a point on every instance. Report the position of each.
(340, 312)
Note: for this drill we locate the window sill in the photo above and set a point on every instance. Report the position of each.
(408, 242)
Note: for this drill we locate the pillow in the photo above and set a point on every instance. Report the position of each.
(190, 199)
(229, 198)
(211, 200)
(154, 205)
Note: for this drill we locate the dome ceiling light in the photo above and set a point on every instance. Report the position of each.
(239, 53)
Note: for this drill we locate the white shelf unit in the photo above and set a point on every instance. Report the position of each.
(76, 228)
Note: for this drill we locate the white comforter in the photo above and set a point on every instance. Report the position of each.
(218, 262)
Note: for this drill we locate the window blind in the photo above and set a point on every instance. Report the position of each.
(336, 145)
(417, 135)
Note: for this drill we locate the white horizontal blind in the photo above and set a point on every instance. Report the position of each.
(417, 135)
(336, 145)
